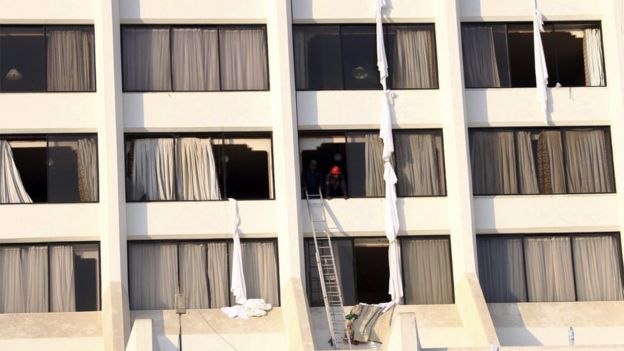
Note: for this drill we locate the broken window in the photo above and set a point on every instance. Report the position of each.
(502, 55)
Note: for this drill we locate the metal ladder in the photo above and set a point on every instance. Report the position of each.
(330, 284)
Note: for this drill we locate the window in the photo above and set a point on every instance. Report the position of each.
(49, 278)
(362, 267)
(201, 271)
(188, 58)
(49, 168)
(344, 57)
(46, 58)
(187, 167)
(550, 268)
(501, 55)
(358, 155)
(541, 161)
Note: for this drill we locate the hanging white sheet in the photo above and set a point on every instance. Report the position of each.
(541, 71)
(395, 285)
(237, 285)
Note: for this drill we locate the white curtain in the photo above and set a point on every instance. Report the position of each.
(414, 64)
(550, 169)
(62, 280)
(195, 59)
(526, 163)
(480, 66)
(427, 270)
(87, 169)
(217, 268)
(592, 54)
(373, 150)
(549, 269)
(420, 164)
(541, 70)
(152, 171)
(146, 59)
(588, 160)
(597, 267)
(493, 160)
(153, 275)
(71, 60)
(260, 267)
(196, 174)
(501, 269)
(24, 277)
(243, 59)
(11, 187)
(193, 275)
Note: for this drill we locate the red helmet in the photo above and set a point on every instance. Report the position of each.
(335, 170)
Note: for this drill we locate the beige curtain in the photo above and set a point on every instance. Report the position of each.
(420, 164)
(493, 160)
(373, 149)
(87, 169)
(217, 269)
(196, 173)
(146, 59)
(195, 59)
(414, 62)
(480, 66)
(526, 163)
(24, 277)
(501, 269)
(152, 176)
(549, 269)
(589, 161)
(592, 55)
(62, 280)
(243, 59)
(598, 267)
(11, 187)
(153, 275)
(193, 275)
(550, 163)
(427, 271)
(71, 60)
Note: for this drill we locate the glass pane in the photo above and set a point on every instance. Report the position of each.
(359, 57)
(485, 56)
(152, 275)
(243, 58)
(146, 59)
(22, 59)
(343, 253)
(71, 59)
(411, 57)
(501, 269)
(195, 61)
(72, 169)
(317, 57)
(87, 277)
(420, 163)
(427, 271)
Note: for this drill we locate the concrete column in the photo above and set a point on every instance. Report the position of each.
(112, 213)
(613, 41)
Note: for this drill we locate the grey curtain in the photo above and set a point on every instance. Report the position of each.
(526, 163)
(480, 65)
(195, 59)
(493, 160)
(501, 269)
(588, 159)
(62, 280)
(218, 275)
(598, 268)
(153, 275)
(196, 173)
(146, 59)
(87, 169)
(71, 60)
(11, 187)
(427, 271)
(420, 164)
(550, 277)
(550, 163)
(24, 277)
(260, 268)
(243, 59)
(193, 275)
(414, 63)
(152, 170)
(373, 150)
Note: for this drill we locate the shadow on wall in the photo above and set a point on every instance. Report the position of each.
(511, 329)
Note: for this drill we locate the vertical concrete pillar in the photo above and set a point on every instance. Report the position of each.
(613, 39)
(112, 214)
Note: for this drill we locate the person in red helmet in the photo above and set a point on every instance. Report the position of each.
(335, 184)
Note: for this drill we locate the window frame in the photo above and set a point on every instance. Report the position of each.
(562, 130)
(222, 136)
(177, 242)
(68, 243)
(216, 26)
(46, 138)
(343, 133)
(83, 27)
(430, 26)
(549, 27)
(570, 236)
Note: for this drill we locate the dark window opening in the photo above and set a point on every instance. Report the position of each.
(244, 172)
(87, 273)
(372, 272)
(30, 161)
(521, 57)
(22, 59)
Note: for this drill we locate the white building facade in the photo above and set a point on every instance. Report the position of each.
(485, 225)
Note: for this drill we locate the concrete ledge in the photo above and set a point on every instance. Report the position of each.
(474, 311)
